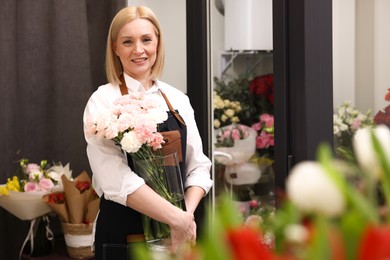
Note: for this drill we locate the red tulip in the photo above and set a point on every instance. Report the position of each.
(246, 244)
(375, 243)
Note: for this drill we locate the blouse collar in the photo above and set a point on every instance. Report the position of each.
(136, 86)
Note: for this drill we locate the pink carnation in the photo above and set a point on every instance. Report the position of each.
(90, 128)
(156, 141)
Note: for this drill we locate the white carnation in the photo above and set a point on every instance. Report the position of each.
(156, 115)
(130, 143)
(311, 190)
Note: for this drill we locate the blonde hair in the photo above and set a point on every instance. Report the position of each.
(113, 64)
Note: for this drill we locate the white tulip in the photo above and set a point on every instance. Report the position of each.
(312, 191)
(364, 150)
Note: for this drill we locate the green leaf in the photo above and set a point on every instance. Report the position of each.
(385, 165)
(352, 225)
(320, 248)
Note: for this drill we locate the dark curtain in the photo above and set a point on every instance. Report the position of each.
(51, 60)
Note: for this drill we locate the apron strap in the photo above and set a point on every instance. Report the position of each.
(124, 91)
(173, 111)
(123, 86)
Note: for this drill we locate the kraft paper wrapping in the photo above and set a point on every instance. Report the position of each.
(77, 201)
(92, 211)
(61, 209)
(79, 207)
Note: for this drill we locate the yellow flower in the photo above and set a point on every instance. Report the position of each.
(229, 112)
(226, 102)
(235, 119)
(3, 190)
(13, 184)
(217, 124)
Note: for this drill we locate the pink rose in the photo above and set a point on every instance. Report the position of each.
(356, 124)
(260, 144)
(267, 119)
(46, 184)
(254, 204)
(236, 134)
(31, 186)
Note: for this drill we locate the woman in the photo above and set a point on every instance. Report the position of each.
(134, 61)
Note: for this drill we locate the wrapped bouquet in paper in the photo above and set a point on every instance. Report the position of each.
(22, 197)
(77, 207)
(237, 140)
(78, 203)
(22, 194)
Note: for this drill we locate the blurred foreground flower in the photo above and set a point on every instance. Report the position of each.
(312, 191)
(365, 150)
(333, 200)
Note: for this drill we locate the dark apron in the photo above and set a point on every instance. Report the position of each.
(115, 221)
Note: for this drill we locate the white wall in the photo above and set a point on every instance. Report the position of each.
(343, 51)
(361, 57)
(217, 31)
(381, 52)
(261, 62)
(172, 17)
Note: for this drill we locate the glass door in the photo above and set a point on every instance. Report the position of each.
(242, 137)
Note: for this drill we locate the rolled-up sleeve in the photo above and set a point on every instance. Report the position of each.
(198, 165)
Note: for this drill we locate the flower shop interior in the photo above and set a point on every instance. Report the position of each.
(279, 93)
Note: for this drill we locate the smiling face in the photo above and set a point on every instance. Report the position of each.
(136, 47)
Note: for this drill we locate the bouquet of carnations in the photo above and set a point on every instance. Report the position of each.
(132, 123)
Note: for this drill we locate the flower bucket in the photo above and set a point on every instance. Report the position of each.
(78, 239)
(162, 174)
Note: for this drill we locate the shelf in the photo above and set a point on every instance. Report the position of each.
(228, 58)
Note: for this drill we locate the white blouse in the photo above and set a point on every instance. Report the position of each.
(111, 174)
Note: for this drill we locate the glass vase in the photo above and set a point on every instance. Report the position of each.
(163, 175)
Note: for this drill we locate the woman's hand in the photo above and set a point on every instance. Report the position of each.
(183, 230)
